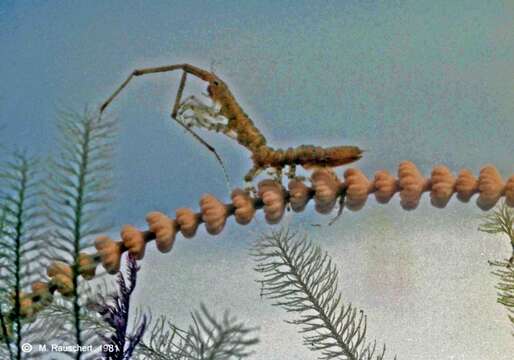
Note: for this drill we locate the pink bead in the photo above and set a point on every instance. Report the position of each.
(64, 284)
(357, 189)
(490, 186)
(326, 189)
(59, 267)
(412, 185)
(187, 221)
(26, 305)
(214, 214)
(164, 228)
(244, 208)
(466, 185)
(110, 253)
(87, 266)
(133, 240)
(42, 291)
(385, 186)
(298, 195)
(443, 184)
(272, 195)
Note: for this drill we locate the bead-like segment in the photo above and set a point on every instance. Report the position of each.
(59, 267)
(64, 284)
(187, 221)
(214, 214)
(326, 189)
(244, 206)
(41, 295)
(443, 186)
(164, 228)
(490, 186)
(385, 186)
(298, 195)
(466, 185)
(26, 305)
(133, 241)
(110, 253)
(60, 274)
(357, 189)
(87, 266)
(412, 185)
(273, 196)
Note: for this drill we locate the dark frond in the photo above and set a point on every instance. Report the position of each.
(206, 339)
(135, 339)
(115, 312)
(164, 341)
(301, 278)
(213, 339)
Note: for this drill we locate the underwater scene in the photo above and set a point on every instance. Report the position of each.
(268, 180)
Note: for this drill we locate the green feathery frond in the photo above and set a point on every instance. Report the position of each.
(6, 349)
(4, 325)
(18, 248)
(505, 273)
(80, 181)
(206, 339)
(61, 329)
(301, 278)
(78, 189)
(160, 343)
(501, 221)
(212, 339)
(163, 341)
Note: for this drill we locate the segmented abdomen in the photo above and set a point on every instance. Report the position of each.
(247, 134)
(263, 156)
(307, 156)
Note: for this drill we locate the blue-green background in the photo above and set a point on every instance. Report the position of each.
(432, 82)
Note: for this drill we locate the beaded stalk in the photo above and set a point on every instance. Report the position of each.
(326, 188)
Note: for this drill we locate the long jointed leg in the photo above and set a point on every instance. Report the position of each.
(180, 90)
(204, 115)
(195, 135)
(190, 69)
(187, 69)
(254, 171)
(342, 198)
(210, 148)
